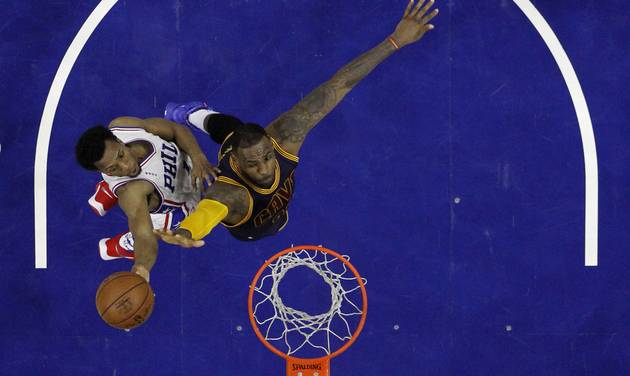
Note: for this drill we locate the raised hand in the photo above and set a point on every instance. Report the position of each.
(179, 237)
(202, 170)
(415, 22)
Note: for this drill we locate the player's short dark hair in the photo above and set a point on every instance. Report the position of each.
(247, 135)
(91, 146)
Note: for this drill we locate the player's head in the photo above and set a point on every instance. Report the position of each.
(253, 151)
(98, 149)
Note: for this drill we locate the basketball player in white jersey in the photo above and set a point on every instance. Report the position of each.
(154, 168)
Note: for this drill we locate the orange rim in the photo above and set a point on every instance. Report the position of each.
(250, 300)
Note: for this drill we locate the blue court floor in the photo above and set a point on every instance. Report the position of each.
(454, 177)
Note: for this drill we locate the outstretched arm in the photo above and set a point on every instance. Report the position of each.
(290, 128)
(133, 201)
(236, 201)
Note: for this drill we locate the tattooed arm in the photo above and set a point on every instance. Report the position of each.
(290, 128)
(235, 198)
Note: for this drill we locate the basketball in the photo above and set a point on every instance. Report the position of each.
(124, 300)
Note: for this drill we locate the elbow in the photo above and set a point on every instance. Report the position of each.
(339, 81)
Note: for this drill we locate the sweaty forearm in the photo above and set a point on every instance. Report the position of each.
(187, 143)
(291, 128)
(324, 98)
(145, 251)
(353, 72)
(181, 135)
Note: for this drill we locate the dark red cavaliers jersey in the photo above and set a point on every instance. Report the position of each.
(268, 212)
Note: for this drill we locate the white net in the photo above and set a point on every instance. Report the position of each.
(295, 330)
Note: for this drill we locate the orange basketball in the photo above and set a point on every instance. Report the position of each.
(124, 300)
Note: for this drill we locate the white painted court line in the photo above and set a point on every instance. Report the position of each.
(45, 126)
(584, 121)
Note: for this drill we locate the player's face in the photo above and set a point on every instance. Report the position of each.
(258, 162)
(117, 160)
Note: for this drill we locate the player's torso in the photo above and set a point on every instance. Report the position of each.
(164, 166)
(268, 206)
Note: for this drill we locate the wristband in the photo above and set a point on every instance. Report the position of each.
(394, 43)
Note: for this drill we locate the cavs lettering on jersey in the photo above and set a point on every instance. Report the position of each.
(165, 166)
(268, 207)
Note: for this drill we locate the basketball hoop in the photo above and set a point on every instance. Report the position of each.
(296, 335)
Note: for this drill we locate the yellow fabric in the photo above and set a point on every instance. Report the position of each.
(283, 152)
(207, 215)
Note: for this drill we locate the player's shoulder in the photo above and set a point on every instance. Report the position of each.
(133, 188)
(127, 122)
(279, 138)
(288, 151)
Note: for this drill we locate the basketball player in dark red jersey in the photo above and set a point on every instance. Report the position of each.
(252, 194)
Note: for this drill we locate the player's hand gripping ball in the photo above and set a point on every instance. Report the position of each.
(124, 300)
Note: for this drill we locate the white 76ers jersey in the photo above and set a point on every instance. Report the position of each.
(166, 167)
